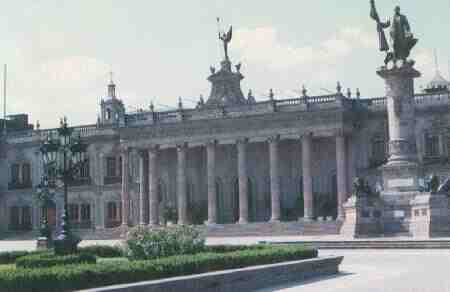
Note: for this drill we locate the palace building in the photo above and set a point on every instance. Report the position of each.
(229, 160)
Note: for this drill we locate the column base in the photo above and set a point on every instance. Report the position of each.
(243, 221)
(274, 220)
(153, 225)
(306, 219)
(210, 223)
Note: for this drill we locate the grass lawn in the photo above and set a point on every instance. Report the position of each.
(7, 267)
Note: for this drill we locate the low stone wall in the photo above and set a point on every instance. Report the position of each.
(246, 279)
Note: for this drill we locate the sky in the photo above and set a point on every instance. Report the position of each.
(59, 53)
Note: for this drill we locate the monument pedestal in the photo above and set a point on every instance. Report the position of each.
(363, 217)
(430, 215)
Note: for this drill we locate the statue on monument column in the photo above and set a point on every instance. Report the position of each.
(401, 37)
(225, 38)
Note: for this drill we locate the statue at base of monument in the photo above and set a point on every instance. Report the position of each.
(402, 39)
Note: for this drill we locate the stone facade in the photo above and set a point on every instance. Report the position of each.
(231, 160)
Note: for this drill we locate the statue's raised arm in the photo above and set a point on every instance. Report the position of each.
(382, 41)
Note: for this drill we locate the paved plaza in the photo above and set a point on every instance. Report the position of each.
(361, 270)
(382, 271)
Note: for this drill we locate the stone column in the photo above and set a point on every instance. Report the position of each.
(341, 174)
(182, 184)
(242, 180)
(143, 190)
(274, 179)
(401, 112)
(153, 185)
(211, 181)
(101, 169)
(99, 213)
(125, 154)
(307, 177)
(401, 173)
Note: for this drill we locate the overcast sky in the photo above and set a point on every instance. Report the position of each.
(59, 53)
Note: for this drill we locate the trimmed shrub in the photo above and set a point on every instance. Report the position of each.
(45, 260)
(10, 257)
(103, 251)
(75, 277)
(145, 244)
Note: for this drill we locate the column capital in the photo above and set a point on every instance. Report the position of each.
(152, 148)
(306, 135)
(211, 143)
(242, 141)
(182, 146)
(340, 133)
(274, 138)
(124, 149)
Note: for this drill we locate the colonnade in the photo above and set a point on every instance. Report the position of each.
(149, 173)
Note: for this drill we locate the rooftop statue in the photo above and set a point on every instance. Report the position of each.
(402, 38)
(225, 38)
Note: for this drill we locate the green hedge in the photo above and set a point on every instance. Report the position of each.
(68, 278)
(45, 260)
(103, 251)
(10, 257)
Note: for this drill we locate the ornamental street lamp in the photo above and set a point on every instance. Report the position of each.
(63, 157)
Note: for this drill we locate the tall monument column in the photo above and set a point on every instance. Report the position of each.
(401, 171)
(242, 180)
(211, 181)
(182, 184)
(274, 178)
(153, 185)
(307, 177)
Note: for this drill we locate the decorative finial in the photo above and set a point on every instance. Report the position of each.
(349, 93)
(212, 69)
(152, 107)
(202, 101)
(304, 91)
(180, 103)
(38, 125)
(271, 94)
(339, 87)
(358, 93)
(250, 94)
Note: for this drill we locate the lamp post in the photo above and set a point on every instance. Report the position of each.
(63, 157)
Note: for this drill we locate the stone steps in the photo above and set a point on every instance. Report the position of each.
(220, 230)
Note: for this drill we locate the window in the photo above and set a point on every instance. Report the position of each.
(111, 167)
(108, 114)
(14, 219)
(15, 173)
(73, 212)
(26, 217)
(378, 150)
(85, 212)
(112, 211)
(84, 170)
(26, 174)
(431, 145)
(20, 218)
